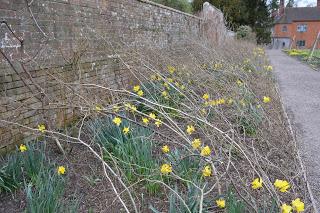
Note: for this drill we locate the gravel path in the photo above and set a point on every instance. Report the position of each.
(300, 91)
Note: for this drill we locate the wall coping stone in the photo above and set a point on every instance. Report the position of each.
(169, 8)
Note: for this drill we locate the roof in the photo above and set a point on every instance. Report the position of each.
(292, 14)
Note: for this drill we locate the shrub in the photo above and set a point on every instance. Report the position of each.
(245, 33)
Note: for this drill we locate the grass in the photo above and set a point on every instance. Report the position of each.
(304, 56)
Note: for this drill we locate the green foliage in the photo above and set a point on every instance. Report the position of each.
(44, 187)
(191, 201)
(132, 152)
(11, 174)
(233, 204)
(182, 5)
(245, 33)
(27, 164)
(46, 195)
(186, 166)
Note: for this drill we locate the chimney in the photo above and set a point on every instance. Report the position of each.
(281, 12)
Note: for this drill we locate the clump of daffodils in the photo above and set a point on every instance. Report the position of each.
(205, 151)
(221, 203)
(126, 130)
(41, 128)
(23, 148)
(257, 183)
(190, 129)
(61, 170)
(266, 99)
(165, 149)
(206, 172)
(196, 143)
(166, 168)
(298, 205)
(117, 121)
(282, 185)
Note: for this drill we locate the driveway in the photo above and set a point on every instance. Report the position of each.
(300, 91)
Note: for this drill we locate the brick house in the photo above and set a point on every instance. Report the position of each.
(296, 27)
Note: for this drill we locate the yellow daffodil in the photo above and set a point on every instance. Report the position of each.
(282, 185)
(203, 111)
(145, 121)
(196, 143)
(266, 99)
(257, 183)
(61, 170)
(230, 101)
(171, 69)
(177, 84)
(165, 149)
(268, 68)
(243, 103)
(298, 205)
(220, 101)
(133, 108)
(205, 151)
(213, 103)
(158, 123)
(115, 108)
(23, 148)
(182, 87)
(246, 61)
(153, 77)
(204, 66)
(206, 172)
(221, 203)
(126, 130)
(140, 93)
(240, 83)
(164, 94)
(136, 88)
(41, 128)
(170, 80)
(286, 208)
(166, 169)
(206, 96)
(218, 66)
(98, 108)
(152, 115)
(117, 121)
(190, 129)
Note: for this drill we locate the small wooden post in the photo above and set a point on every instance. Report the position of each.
(314, 46)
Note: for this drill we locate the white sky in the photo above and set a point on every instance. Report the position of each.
(306, 2)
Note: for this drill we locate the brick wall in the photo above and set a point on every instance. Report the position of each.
(74, 40)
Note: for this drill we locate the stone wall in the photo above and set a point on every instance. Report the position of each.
(42, 41)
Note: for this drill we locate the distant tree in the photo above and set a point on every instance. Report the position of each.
(292, 3)
(182, 5)
(274, 5)
(253, 13)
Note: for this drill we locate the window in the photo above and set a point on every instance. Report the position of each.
(284, 28)
(302, 28)
(301, 43)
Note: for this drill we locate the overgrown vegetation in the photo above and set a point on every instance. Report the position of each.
(304, 55)
(199, 128)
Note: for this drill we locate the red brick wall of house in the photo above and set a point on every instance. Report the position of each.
(313, 28)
